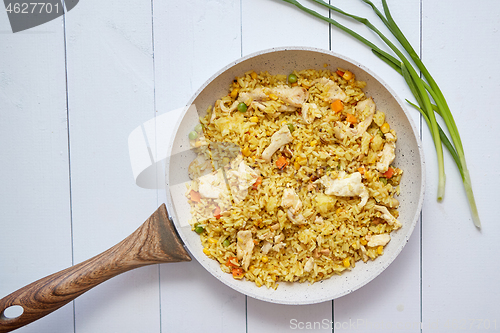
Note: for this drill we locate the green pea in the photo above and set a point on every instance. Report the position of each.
(193, 135)
(198, 128)
(291, 127)
(292, 78)
(226, 242)
(242, 107)
(199, 229)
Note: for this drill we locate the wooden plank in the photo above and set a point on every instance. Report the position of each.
(34, 173)
(261, 30)
(268, 317)
(193, 40)
(391, 301)
(110, 84)
(459, 273)
(267, 24)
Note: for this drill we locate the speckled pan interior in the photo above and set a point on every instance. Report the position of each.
(409, 157)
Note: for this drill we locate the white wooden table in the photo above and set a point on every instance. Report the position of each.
(73, 89)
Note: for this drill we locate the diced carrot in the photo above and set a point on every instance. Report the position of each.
(231, 262)
(257, 182)
(340, 73)
(337, 105)
(195, 196)
(282, 162)
(389, 173)
(351, 118)
(361, 170)
(217, 212)
(238, 273)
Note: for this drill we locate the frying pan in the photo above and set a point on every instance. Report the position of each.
(166, 235)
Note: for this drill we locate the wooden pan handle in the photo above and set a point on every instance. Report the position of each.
(154, 242)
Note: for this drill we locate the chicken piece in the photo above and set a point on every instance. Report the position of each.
(212, 185)
(279, 238)
(278, 139)
(310, 111)
(334, 91)
(266, 235)
(387, 216)
(244, 247)
(256, 95)
(240, 177)
(319, 220)
(309, 265)
(291, 202)
(296, 218)
(212, 118)
(339, 130)
(378, 240)
(365, 109)
(224, 108)
(387, 156)
(200, 166)
(266, 247)
(275, 226)
(290, 199)
(293, 96)
(279, 246)
(282, 107)
(346, 186)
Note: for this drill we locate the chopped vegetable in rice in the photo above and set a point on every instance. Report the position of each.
(294, 179)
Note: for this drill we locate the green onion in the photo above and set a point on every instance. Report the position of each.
(419, 88)
(291, 128)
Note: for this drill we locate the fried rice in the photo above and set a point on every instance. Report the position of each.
(293, 182)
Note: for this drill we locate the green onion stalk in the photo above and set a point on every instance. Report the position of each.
(419, 88)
